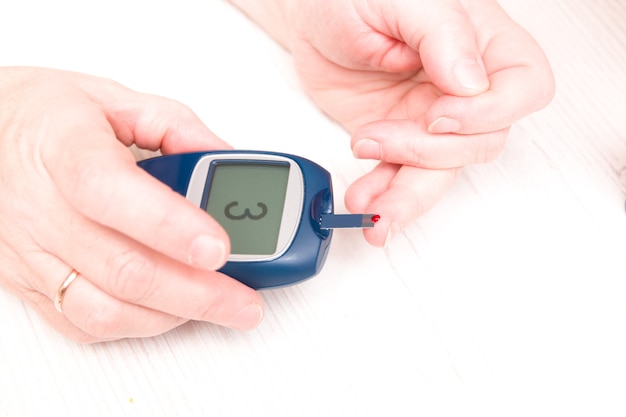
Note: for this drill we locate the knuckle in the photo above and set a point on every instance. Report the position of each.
(151, 117)
(495, 145)
(480, 155)
(181, 109)
(211, 303)
(104, 321)
(131, 276)
(487, 151)
(88, 176)
(543, 90)
(548, 90)
(416, 153)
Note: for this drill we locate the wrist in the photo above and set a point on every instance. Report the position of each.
(274, 16)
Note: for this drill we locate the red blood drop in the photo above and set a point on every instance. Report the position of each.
(375, 218)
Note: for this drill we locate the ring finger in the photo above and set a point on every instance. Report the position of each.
(88, 313)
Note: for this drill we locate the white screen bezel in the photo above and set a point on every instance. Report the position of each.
(294, 197)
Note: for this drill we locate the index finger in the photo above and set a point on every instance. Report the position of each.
(399, 193)
(407, 142)
(98, 176)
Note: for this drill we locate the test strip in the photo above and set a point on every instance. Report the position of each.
(343, 221)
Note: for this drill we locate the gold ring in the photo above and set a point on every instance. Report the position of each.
(58, 300)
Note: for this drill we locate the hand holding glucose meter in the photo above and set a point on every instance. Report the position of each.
(276, 208)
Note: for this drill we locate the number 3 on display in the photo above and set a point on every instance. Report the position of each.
(247, 213)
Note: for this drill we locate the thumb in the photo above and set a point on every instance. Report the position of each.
(446, 41)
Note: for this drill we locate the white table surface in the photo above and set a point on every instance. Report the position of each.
(507, 299)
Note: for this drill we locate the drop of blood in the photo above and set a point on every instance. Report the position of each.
(375, 218)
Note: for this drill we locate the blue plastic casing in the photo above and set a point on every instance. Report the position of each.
(305, 256)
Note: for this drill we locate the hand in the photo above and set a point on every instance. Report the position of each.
(424, 86)
(73, 197)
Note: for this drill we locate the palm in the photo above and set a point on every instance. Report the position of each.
(422, 114)
(355, 97)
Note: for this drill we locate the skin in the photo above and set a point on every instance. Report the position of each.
(425, 87)
(73, 197)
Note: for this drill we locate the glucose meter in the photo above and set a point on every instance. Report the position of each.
(276, 208)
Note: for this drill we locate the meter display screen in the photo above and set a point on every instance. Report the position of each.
(248, 199)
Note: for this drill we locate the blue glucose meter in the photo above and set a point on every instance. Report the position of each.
(276, 208)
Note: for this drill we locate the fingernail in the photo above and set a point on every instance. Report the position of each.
(471, 74)
(444, 125)
(367, 149)
(207, 252)
(248, 318)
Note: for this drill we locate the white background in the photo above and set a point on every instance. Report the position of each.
(507, 299)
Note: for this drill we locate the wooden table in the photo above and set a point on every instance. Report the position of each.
(507, 299)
